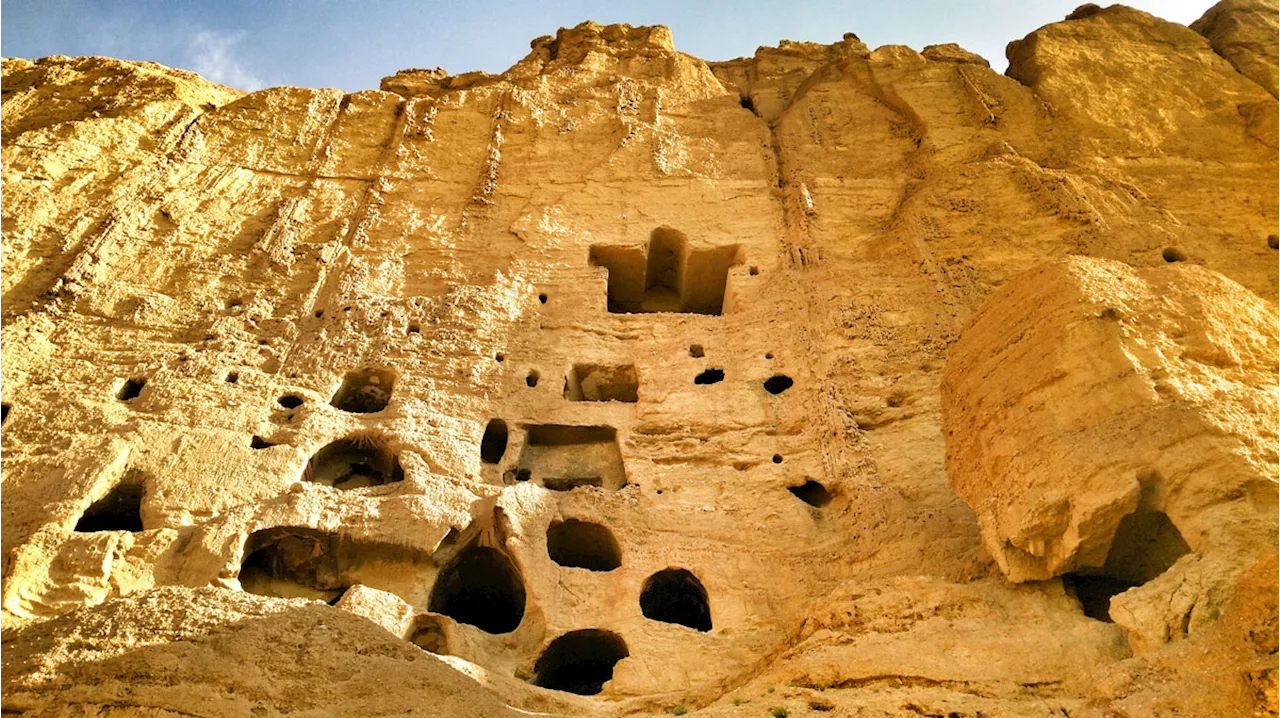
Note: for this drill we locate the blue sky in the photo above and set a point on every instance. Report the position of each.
(352, 45)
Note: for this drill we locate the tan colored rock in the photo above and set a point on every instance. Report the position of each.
(1244, 32)
(539, 355)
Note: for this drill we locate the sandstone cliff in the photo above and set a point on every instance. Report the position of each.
(614, 384)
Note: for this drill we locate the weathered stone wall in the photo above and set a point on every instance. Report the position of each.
(627, 349)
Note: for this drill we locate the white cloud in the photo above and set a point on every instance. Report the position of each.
(210, 53)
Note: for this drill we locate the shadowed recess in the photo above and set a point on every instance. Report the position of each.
(493, 445)
(1146, 545)
(363, 459)
(580, 661)
(119, 510)
(812, 493)
(675, 595)
(365, 391)
(480, 587)
(582, 544)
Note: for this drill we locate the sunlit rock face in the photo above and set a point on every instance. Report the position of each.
(828, 379)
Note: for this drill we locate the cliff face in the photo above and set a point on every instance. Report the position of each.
(614, 383)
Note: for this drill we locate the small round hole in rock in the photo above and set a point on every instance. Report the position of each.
(582, 544)
(710, 376)
(777, 458)
(499, 357)
(233, 377)
(480, 587)
(542, 298)
(675, 595)
(131, 389)
(532, 379)
(290, 401)
(777, 384)
(812, 493)
(1273, 241)
(768, 355)
(754, 271)
(1173, 254)
(696, 351)
(494, 442)
(415, 329)
(319, 314)
(580, 661)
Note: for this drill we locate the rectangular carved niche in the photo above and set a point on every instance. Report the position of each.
(562, 458)
(669, 275)
(600, 382)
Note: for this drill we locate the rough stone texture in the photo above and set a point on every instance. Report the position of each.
(192, 277)
(1244, 32)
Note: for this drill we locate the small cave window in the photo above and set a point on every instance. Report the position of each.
(131, 389)
(293, 563)
(365, 391)
(428, 633)
(696, 351)
(580, 661)
(710, 376)
(1173, 254)
(493, 445)
(531, 380)
(1146, 544)
(582, 544)
(480, 587)
(290, 401)
(563, 458)
(675, 595)
(257, 442)
(812, 493)
(542, 298)
(362, 459)
(233, 377)
(596, 382)
(119, 510)
(668, 275)
(778, 383)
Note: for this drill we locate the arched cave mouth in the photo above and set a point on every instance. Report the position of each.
(480, 587)
(360, 460)
(119, 510)
(675, 595)
(812, 493)
(493, 445)
(582, 544)
(293, 563)
(1146, 544)
(365, 391)
(580, 661)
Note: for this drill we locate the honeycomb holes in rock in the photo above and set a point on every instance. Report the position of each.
(493, 444)
(675, 595)
(131, 389)
(480, 587)
(812, 493)
(581, 544)
(668, 275)
(363, 459)
(1146, 544)
(580, 661)
(365, 391)
(119, 510)
(710, 376)
(778, 383)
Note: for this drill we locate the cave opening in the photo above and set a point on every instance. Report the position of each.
(119, 510)
(292, 563)
(710, 376)
(778, 383)
(365, 391)
(1146, 544)
(360, 460)
(812, 493)
(580, 661)
(675, 595)
(132, 388)
(599, 382)
(493, 445)
(667, 275)
(480, 587)
(290, 401)
(564, 457)
(582, 544)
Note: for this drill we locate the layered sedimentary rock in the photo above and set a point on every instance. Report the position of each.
(612, 384)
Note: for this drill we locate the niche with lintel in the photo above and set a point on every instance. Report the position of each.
(1146, 544)
(362, 459)
(601, 382)
(562, 458)
(667, 275)
(365, 391)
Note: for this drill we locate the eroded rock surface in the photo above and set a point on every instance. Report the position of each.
(611, 384)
